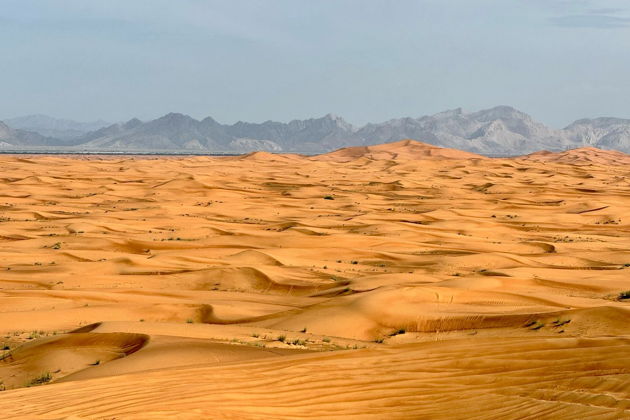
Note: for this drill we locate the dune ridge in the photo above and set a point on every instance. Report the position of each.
(582, 156)
(401, 150)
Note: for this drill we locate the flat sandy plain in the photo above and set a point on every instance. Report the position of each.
(396, 281)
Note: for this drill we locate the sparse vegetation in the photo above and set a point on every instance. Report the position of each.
(329, 197)
(624, 295)
(281, 338)
(44, 378)
(560, 323)
(189, 321)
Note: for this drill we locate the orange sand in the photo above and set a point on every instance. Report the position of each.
(394, 281)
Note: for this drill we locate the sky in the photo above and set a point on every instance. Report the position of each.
(366, 60)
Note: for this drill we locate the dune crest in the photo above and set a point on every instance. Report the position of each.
(401, 150)
(581, 156)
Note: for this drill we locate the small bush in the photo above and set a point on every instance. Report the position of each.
(44, 378)
(398, 332)
(624, 295)
(329, 197)
(282, 338)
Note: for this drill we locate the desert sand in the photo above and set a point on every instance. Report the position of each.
(391, 281)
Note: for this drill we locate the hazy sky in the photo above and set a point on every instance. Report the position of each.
(366, 60)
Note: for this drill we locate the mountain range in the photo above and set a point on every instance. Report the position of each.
(501, 130)
(54, 127)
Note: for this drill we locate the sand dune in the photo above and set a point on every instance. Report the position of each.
(389, 281)
(400, 150)
(582, 156)
(480, 379)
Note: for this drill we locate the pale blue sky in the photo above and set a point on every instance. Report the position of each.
(366, 60)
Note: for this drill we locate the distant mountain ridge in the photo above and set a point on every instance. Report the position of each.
(501, 130)
(54, 127)
(10, 137)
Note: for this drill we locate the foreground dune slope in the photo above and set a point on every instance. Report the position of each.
(487, 379)
(397, 281)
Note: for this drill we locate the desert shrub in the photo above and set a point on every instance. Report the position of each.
(44, 378)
